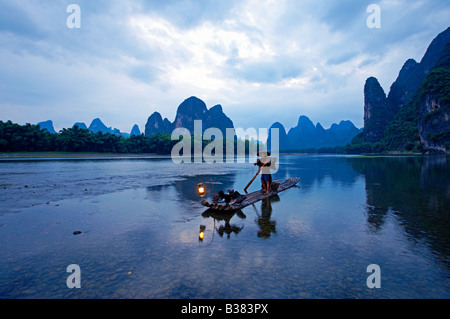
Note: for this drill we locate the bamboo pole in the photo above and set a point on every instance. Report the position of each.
(248, 185)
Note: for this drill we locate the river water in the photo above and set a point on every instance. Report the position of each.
(139, 220)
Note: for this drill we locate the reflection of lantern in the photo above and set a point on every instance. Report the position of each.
(201, 189)
(201, 234)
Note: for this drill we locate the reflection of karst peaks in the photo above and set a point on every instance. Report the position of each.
(408, 191)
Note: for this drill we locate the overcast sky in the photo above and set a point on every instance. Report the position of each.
(263, 61)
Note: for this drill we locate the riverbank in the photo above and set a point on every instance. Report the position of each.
(392, 153)
(18, 155)
(67, 155)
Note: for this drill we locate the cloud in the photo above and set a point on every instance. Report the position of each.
(274, 70)
(14, 19)
(344, 15)
(262, 60)
(188, 13)
(341, 58)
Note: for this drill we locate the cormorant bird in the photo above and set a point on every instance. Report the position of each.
(231, 194)
(226, 197)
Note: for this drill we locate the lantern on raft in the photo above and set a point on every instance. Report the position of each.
(201, 189)
(201, 234)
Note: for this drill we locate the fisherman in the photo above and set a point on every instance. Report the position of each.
(265, 163)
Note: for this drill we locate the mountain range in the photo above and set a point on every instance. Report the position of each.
(47, 125)
(306, 135)
(415, 113)
(190, 110)
(96, 126)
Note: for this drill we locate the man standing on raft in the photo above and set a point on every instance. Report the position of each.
(265, 163)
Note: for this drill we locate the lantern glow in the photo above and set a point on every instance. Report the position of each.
(201, 189)
(201, 234)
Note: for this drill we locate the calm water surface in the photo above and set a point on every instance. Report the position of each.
(140, 220)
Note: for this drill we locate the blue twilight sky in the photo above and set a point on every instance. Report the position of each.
(262, 60)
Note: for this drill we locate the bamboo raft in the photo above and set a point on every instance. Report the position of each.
(250, 198)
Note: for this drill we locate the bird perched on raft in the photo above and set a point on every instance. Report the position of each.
(229, 196)
(241, 201)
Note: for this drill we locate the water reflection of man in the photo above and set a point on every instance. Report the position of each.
(266, 225)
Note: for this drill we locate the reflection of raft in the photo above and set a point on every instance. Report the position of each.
(250, 198)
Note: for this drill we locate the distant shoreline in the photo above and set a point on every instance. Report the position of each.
(69, 155)
(19, 155)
